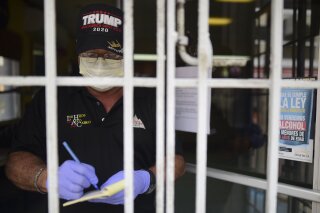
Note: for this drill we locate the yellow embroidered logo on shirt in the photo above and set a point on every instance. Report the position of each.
(77, 120)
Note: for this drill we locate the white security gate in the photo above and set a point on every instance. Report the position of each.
(204, 61)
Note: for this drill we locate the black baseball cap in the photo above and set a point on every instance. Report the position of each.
(100, 26)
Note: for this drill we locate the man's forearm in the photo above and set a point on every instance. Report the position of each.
(21, 169)
(179, 168)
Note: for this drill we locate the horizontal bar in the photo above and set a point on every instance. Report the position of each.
(299, 192)
(76, 81)
(218, 60)
(145, 57)
(259, 183)
(186, 82)
(83, 81)
(239, 83)
(145, 82)
(300, 83)
(230, 60)
(225, 83)
(247, 83)
(152, 82)
(88, 81)
(231, 177)
(23, 81)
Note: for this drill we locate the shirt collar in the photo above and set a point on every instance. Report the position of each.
(84, 91)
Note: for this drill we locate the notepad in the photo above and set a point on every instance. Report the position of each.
(99, 194)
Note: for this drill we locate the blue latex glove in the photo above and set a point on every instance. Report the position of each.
(74, 177)
(141, 184)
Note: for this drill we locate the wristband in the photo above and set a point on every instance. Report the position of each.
(152, 185)
(35, 180)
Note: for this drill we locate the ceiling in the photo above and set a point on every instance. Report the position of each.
(145, 23)
(67, 13)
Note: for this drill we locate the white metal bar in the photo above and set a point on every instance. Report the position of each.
(230, 60)
(225, 83)
(299, 192)
(170, 120)
(152, 82)
(51, 104)
(119, 4)
(160, 112)
(316, 163)
(87, 81)
(137, 81)
(145, 57)
(76, 81)
(244, 83)
(204, 65)
(274, 105)
(239, 83)
(183, 40)
(218, 60)
(23, 81)
(259, 183)
(186, 82)
(145, 82)
(128, 103)
(231, 177)
(301, 83)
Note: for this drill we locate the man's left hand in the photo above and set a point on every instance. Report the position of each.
(141, 185)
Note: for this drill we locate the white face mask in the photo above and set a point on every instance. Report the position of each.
(101, 68)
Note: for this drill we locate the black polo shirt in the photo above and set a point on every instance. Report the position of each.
(95, 136)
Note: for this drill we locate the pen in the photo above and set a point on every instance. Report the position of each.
(75, 158)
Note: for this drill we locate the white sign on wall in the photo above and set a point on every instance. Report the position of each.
(187, 102)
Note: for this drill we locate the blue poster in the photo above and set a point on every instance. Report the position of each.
(295, 124)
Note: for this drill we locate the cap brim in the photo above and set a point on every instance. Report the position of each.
(110, 43)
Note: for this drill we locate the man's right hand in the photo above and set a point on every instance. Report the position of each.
(74, 178)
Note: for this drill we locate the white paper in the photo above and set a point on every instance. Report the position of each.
(302, 153)
(186, 102)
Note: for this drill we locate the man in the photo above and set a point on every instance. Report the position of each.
(90, 119)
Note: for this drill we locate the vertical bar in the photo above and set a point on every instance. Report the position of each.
(294, 46)
(51, 104)
(204, 57)
(301, 41)
(128, 103)
(160, 105)
(274, 104)
(266, 67)
(316, 181)
(311, 57)
(119, 4)
(170, 120)
(259, 54)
